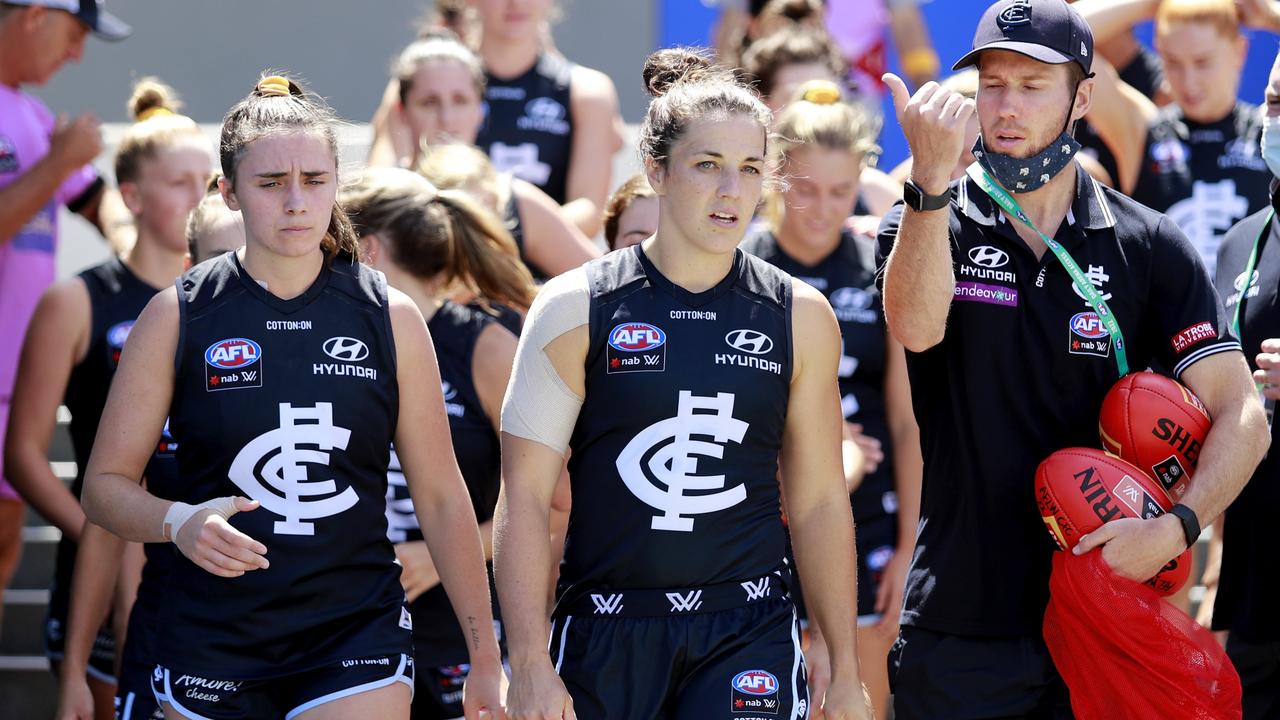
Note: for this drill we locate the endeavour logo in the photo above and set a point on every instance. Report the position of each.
(672, 462)
(749, 341)
(607, 604)
(988, 257)
(347, 349)
(279, 458)
(756, 589)
(685, 602)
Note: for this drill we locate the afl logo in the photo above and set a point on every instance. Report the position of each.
(118, 334)
(988, 257)
(347, 349)
(1019, 13)
(232, 353)
(749, 341)
(636, 337)
(756, 682)
(1088, 325)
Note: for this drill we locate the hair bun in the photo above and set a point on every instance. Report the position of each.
(152, 98)
(819, 92)
(276, 86)
(669, 66)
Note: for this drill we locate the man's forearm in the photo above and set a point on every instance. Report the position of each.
(1235, 445)
(23, 198)
(919, 281)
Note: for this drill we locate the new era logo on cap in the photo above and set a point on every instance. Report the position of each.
(1046, 30)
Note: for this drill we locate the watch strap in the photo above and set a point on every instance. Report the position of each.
(920, 201)
(1190, 522)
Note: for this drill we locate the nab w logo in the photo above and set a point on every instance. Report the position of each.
(756, 589)
(272, 468)
(685, 602)
(607, 605)
(672, 454)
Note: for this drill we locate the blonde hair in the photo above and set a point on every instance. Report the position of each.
(203, 216)
(1221, 14)
(819, 116)
(443, 234)
(154, 108)
(453, 166)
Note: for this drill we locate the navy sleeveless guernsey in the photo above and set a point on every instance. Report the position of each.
(1205, 176)
(675, 451)
(847, 278)
(438, 639)
(116, 298)
(292, 403)
(528, 127)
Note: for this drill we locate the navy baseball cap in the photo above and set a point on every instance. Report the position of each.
(90, 12)
(1050, 31)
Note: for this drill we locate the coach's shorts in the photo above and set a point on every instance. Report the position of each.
(282, 697)
(102, 658)
(742, 663)
(1259, 668)
(958, 677)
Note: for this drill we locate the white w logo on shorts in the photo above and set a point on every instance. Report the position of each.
(610, 605)
(674, 463)
(275, 458)
(756, 589)
(691, 600)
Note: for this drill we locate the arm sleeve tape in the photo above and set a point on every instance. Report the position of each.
(539, 406)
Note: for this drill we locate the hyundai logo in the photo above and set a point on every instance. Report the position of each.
(749, 341)
(347, 349)
(989, 257)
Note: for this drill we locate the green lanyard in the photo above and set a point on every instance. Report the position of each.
(1086, 288)
(1248, 274)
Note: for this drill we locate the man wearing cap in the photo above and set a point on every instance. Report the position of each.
(44, 163)
(1022, 292)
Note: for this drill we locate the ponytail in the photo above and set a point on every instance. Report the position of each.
(482, 254)
(439, 235)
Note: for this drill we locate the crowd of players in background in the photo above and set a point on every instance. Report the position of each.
(490, 169)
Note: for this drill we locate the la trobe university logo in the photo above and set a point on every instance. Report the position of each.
(272, 468)
(660, 464)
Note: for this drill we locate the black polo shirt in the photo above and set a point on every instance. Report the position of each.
(1250, 578)
(1021, 372)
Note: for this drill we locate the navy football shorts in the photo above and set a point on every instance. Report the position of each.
(681, 655)
(282, 697)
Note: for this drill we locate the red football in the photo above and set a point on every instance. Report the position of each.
(1156, 424)
(1079, 489)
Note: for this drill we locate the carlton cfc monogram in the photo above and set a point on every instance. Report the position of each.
(278, 459)
(674, 463)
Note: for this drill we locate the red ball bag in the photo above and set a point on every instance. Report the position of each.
(1125, 653)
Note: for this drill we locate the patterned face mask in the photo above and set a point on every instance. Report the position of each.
(1022, 175)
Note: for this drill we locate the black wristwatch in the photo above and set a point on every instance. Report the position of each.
(1190, 523)
(917, 199)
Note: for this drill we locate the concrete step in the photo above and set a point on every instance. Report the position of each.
(39, 551)
(28, 691)
(22, 628)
